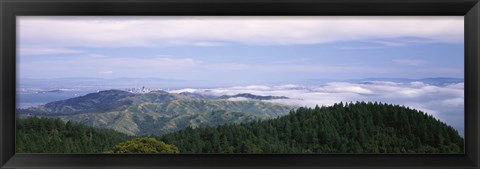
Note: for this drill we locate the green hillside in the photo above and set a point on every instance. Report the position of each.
(44, 135)
(154, 113)
(351, 128)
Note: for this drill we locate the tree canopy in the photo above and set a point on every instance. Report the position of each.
(144, 145)
(48, 135)
(342, 128)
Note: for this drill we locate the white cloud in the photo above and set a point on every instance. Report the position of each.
(344, 88)
(410, 92)
(443, 102)
(189, 90)
(252, 87)
(47, 51)
(457, 86)
(342, 91)
(110, 31)
(454, 102)
(417, 84)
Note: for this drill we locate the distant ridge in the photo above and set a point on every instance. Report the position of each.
(156, 112)
(102, 101)
(252, 96)
(438, 81)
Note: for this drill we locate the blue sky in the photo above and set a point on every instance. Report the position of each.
(245, 50)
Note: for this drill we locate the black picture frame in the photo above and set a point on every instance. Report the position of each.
(9, 9)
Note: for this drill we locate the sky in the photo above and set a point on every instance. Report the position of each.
(240, 50)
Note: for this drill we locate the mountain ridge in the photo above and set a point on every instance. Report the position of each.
(156, 112)
(439, 81)
(252, 96)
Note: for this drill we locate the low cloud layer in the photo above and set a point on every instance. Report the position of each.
(445, 102)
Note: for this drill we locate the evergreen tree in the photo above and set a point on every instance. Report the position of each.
(342, 128)
(46, 135)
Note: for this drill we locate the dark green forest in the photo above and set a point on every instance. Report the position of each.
(47, 135)
(342, 128)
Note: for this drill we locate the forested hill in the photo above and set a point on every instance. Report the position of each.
(156, 112)
(342, 128)
(45, 135)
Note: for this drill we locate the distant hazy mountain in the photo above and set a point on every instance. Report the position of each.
(252, 96)
(111, 100)
(437, 81)
(156, 112)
